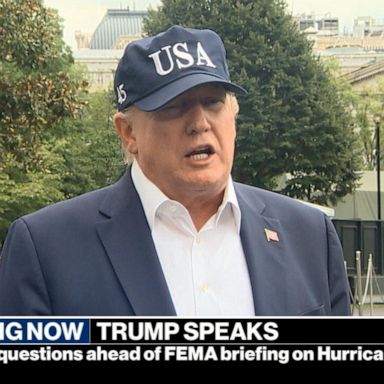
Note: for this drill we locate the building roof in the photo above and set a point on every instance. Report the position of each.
(116, 23)
(336, 51)
(97, 54)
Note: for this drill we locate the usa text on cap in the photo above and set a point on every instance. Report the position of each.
(155, 70)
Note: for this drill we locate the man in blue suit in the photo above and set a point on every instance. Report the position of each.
(175, 235)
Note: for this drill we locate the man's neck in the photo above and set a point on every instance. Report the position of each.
(201, 204)
(202, 209)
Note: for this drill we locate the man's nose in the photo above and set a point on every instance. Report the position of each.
(197, 120)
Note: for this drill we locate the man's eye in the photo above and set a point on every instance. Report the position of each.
(169, 111)
(172, 107)
(213, 101)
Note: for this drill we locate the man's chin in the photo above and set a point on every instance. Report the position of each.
(206, 185)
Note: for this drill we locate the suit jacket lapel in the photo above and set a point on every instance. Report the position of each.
(128, 242)
(265, 259)
(127, 239)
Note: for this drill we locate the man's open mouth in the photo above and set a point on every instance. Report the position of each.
(201, 153)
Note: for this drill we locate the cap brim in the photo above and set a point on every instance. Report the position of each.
(167, 93)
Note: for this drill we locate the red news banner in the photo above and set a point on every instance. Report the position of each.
(271, 340)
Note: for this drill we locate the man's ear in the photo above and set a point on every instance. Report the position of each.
(124, 128)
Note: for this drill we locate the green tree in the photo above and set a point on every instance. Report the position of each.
(367, 102)
(89, 147)
(294, 119)
(38, 90)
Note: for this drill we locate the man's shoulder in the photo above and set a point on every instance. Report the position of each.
(264, 195)
(274, 204)
(81, 206)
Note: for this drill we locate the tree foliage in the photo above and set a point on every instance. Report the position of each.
(52, 144)
(89, 147)
(37, 90)
(294, 120)
(367, 102)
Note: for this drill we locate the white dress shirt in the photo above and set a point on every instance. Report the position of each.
(205, 270)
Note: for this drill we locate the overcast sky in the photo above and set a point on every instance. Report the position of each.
(85, 15)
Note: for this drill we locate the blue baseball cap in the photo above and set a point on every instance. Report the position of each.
(156, 69)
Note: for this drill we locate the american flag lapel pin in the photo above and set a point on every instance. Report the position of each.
(271, 235)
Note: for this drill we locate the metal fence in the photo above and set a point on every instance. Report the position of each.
(365, 236)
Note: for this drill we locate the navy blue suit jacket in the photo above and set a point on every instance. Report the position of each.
(94, 255)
